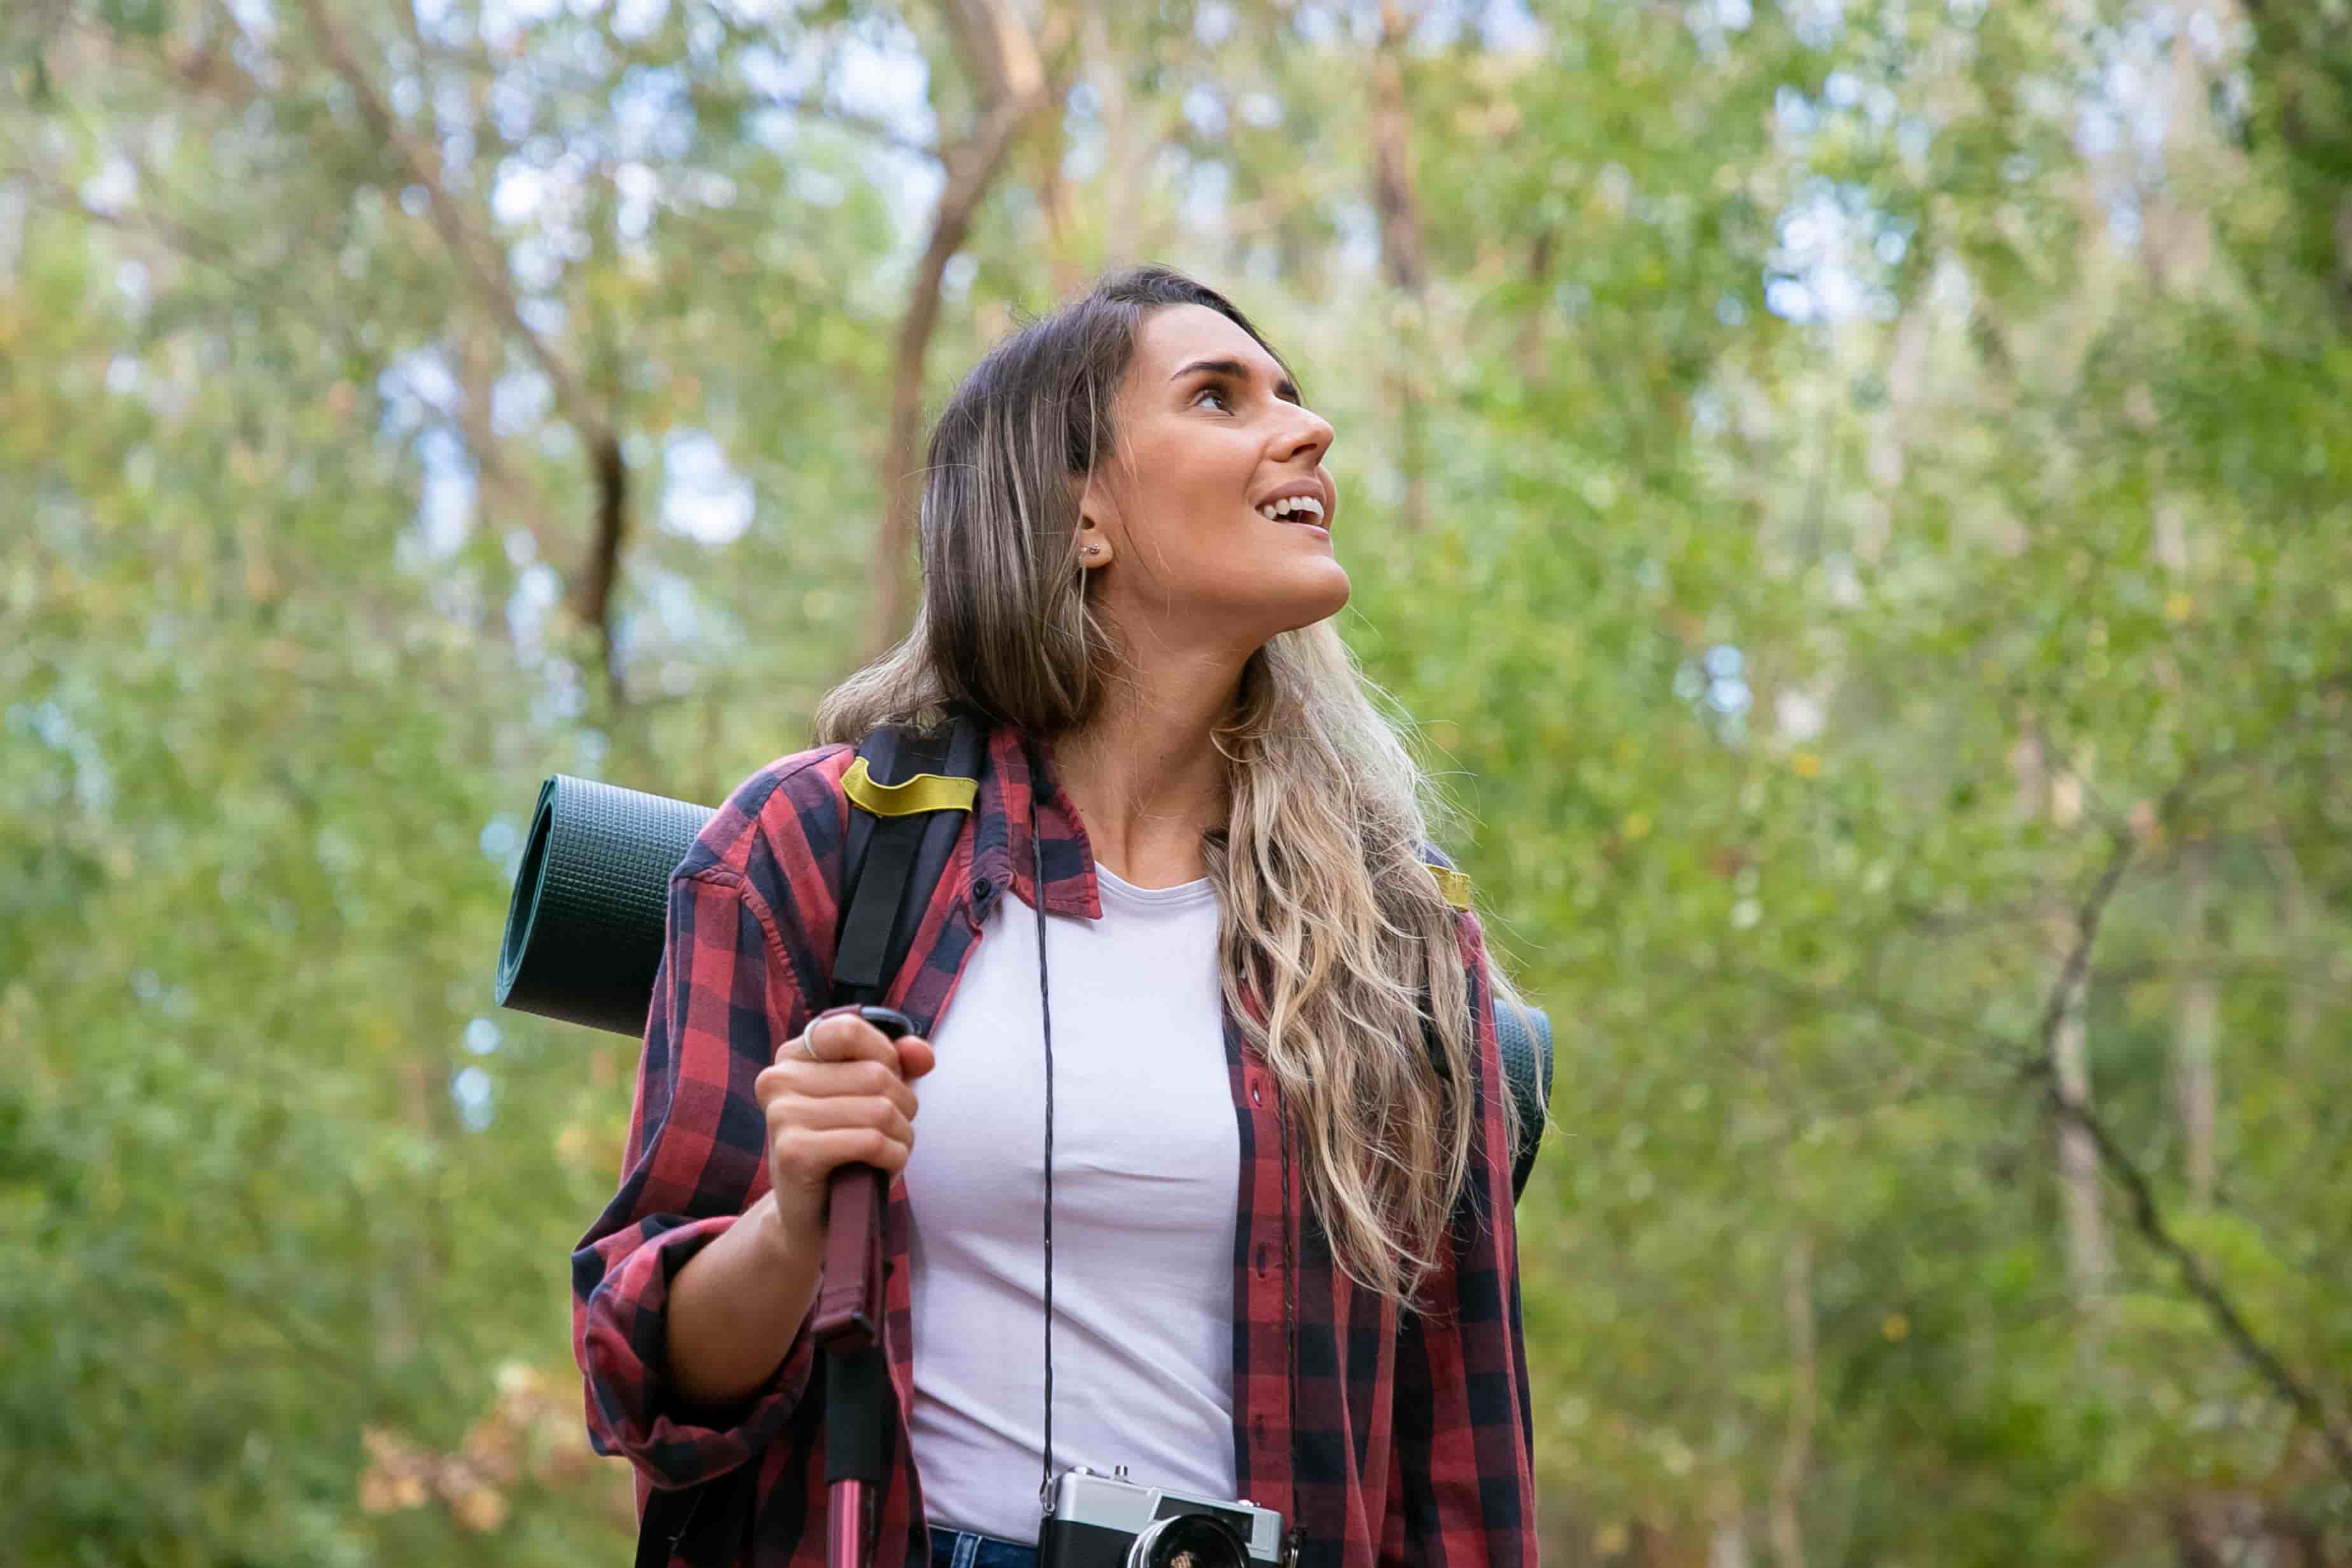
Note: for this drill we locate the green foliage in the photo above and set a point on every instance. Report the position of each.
(1886, 478)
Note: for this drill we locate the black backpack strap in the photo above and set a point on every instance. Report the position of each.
(664, 1523)
(719, 1504)
(909, 791)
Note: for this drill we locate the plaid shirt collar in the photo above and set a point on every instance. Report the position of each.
(1020, 771)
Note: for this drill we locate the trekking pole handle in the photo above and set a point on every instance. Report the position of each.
(849, 1302)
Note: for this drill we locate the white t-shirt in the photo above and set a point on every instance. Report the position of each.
(1147, 1160)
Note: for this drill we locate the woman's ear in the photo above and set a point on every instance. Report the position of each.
(1094, 546)
(1094, 543)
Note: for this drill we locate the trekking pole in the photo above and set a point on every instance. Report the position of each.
(858, 1397)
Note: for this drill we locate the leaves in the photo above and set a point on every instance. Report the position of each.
(1872, 462)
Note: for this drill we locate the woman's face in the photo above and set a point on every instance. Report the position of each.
(1209, 431)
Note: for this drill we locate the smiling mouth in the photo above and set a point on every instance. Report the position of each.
(1294, 509)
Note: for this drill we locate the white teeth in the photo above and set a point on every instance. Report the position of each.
(1276, 511)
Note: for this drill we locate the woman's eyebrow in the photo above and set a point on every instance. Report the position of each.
(1284, 388)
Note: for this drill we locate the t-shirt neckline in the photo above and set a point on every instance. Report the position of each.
(1192, 892)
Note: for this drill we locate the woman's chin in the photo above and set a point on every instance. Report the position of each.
(1321, 597)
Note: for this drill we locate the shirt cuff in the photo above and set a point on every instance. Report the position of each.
(634, 1409)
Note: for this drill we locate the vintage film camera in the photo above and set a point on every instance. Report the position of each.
(1108, 1521)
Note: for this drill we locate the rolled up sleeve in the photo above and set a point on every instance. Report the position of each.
(696, 1159)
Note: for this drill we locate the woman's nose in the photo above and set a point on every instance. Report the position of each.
(1307, 432)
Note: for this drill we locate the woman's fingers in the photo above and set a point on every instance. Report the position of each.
(845, 1111)
(875, 1079)
(813, 1082)
(843, 1037)
(836, 1094)
(915, 1056)
(811, 1156)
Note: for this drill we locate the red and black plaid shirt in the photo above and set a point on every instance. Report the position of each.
(1413, 1434)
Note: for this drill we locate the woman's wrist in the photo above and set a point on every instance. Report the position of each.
(789, 1240)
(737, 1305)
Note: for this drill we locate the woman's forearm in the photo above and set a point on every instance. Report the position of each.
(736, 1305)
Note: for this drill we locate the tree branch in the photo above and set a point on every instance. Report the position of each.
(1005, 60)
(2147, 1216)
(2146, 1213)
(196, 247)
(1804, 1384)
(2149, 1219)
(603, 565)
(483, 268)
(864, 125)
(486, 272)
(1404, 249)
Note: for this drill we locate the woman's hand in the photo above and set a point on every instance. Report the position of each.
(837, 1094)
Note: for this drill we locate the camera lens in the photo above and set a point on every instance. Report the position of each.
(1188, 1541)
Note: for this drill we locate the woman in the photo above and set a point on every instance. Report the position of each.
(1283, 1267)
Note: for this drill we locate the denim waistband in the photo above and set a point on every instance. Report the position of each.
(967, 1549)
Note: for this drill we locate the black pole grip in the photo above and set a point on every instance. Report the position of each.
(858, 1398)
(849, 1299)
(894, 1024)
(859, 1403)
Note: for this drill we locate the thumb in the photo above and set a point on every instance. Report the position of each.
(916, 1057)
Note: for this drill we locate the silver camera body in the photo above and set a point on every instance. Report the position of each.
(1108, 1521)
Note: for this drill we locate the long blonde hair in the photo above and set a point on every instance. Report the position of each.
(1330, 919)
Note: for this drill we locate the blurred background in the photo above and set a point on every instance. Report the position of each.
(1852, 492)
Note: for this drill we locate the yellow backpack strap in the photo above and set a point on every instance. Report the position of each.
(924, 792)
(1453, 884)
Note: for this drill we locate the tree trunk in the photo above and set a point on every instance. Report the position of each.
(1804, 1378)
(2177, 227)
(1402, 251)
(2301, 952)
(2089, 1258)
(2199, 1031)
(1005, 64)
(1105, 66)
(1393, 195)
(1066, 268)
(2030, 766)
(600, 575)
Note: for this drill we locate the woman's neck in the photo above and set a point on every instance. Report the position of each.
(1146, 775)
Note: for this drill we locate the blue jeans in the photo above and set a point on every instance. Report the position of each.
(964, 1549)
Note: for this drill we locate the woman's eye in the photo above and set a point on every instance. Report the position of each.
(1215, 392)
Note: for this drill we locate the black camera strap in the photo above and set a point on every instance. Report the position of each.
(1046, 1014)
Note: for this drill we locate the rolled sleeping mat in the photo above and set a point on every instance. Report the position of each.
(591, 905)
(590, 913)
